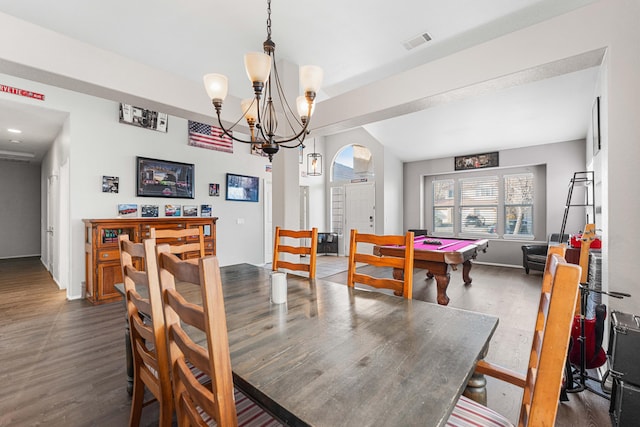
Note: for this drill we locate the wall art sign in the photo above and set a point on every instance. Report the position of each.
(210, 137)
(143, 118)
(21, 92)
(477, 161)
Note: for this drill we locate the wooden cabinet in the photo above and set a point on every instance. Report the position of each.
(102, 258)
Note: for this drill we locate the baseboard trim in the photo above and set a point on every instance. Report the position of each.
(495, 264)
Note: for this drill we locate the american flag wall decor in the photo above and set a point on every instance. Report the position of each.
(210, 137)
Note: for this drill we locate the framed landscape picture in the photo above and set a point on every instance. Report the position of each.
(163, 178)
(242, 188)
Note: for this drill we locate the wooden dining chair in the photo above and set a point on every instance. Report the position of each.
(198, 402)
(179, 240)
(148, 338)
(300, 249)
(401, 287)
(543, 380)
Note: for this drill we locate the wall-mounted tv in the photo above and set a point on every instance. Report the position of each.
(162, 178)
(242, 188)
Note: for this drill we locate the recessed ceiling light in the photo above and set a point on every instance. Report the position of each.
(14, 130)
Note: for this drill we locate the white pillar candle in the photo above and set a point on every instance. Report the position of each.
(278, 287)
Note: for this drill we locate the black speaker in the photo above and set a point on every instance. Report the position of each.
(624, 348)
(625, 404)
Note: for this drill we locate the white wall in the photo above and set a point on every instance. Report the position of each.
(317, 205)
(19, 216)
(393, 206)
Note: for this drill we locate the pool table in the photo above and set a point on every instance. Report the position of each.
(439, 255)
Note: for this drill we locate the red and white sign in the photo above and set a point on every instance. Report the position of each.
(21, 92)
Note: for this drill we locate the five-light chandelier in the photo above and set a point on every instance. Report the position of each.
(261, 115)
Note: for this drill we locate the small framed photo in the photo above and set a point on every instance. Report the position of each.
(190, 210)
(110, 184)
(172, 210)
(149, 211)
(205, 210)
(214, 190)
(127, 210)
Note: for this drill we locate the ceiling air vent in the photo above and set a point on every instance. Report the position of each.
(414, 42)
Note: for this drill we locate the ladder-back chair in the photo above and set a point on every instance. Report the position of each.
(217, 401)
(148, 339)
(300, 249)
(543, 380)
(401, 287)
(184, 242)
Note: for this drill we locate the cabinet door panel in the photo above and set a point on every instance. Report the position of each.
(109, 273)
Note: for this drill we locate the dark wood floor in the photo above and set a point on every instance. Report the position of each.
(62, 362)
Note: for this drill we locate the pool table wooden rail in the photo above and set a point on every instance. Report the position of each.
(439, 263)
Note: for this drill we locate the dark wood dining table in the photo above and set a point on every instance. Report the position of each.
(338, 356)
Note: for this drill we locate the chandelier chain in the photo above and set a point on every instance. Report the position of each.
(268, 19)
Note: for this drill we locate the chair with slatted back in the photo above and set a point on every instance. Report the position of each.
(543, 380)
(179, 241)
(148, 338)
(217, 401)
(301, 236)
(401, 287)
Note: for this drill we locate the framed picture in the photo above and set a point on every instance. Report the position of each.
(110, 184)
(205, 210)
(256, 150)
(140, 117)
(242, 188)
(214, 190)
(172, 210)
(595, 123)
(149, 211)
(127, 210)
(190, 210)
(162, 178)
(476, 161)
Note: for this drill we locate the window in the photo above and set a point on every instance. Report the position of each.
(443, 205)
(479, 205)
(337, 209)
(495, 203)
(518, 204)
(352, 163)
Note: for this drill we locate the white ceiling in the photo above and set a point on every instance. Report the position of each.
(356, 42)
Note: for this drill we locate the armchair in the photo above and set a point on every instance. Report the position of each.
(535, 256)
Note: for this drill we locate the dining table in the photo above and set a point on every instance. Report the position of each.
(332, 355)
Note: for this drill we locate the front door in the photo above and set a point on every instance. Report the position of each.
(360, 204)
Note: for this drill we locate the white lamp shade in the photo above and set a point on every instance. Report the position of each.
(311, 78)
(258, 66)
(216, 86)
(249, 108)
(303, 106)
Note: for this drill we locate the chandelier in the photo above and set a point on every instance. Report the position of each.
(262, 115)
